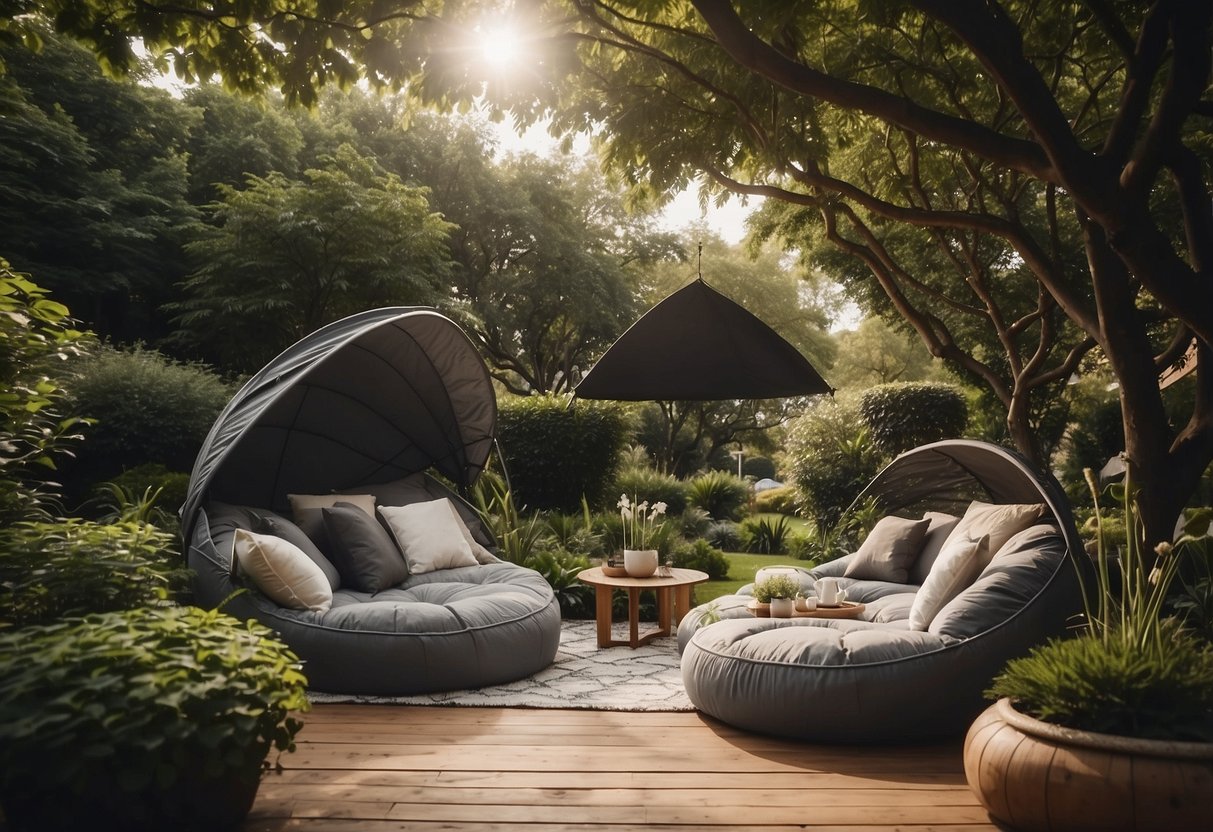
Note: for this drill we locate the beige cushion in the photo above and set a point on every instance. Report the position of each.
(937, 535)
(429, 535)
(960, 562)
(481, 554)
(282, 571)
(888, 550)
(1001, 522)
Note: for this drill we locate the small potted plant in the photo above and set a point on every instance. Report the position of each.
(641, 527)
(145, 719)
(1121, 713)
(779, 592)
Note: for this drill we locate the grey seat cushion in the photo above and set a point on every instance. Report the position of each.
(873, 679)
(443, 630)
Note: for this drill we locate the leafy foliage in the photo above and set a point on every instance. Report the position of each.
(703, 556)
(724, 535)
(877, 353)
(722, 495)
(517, 535)
(71, 567)
(776, 586)
(1117, 688)
(35, 334)
(904, 415)
(766, 536)
(780, 500)
(831, 458)
(157, 491)
(560, 568)
(556, 454)
(651, 486)
(145, 409)
(285, 256)
(121, 714)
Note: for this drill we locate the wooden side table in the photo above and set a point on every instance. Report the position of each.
(673, 602)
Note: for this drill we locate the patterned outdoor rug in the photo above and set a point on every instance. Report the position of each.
(583, 676)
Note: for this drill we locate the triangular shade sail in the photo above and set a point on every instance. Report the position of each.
(698, 345)
(368, 399)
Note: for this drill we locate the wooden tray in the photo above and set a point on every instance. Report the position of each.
(614, 571)
(847, 609)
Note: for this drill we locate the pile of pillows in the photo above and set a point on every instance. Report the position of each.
(943, 553)
(346, 540)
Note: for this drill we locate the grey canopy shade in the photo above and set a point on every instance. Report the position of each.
(698, 345)
(947, 475)
(367, 399)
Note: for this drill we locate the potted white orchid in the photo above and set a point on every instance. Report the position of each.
(640, 527)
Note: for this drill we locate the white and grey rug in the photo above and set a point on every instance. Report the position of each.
(582, 677)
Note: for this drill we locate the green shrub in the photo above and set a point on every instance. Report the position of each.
(832, 458)
(780, 500)
(557, 453)
(703, 556)
(758, 468)
(1095, 436)
(1118, 686)
(801, 547)
(694, 522)
(154, 477)
(51, 570)
(122, 717)
(517, 534)
(776, 586)
(35, 336)
(722, 495)
(559, 568)
(904, 415)
(147, 409)
(724, 535)
(766, 536)
(643, 484)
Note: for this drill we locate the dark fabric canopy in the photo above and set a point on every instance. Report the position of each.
(368, 399)
(698, 345)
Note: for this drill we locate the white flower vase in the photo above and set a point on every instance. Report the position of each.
(640, 563)
(783, 607)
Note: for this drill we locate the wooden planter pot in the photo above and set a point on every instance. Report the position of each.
(1037, 776)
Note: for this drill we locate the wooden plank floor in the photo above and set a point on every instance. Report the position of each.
(385, 768)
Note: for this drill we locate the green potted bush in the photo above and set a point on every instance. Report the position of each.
(144, 719)
(1121, 713)
(779, 593)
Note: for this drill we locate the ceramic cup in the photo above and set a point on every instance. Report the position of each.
(806, 604)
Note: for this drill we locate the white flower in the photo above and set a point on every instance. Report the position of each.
(642, 507)
(659, 508)
(624, 502)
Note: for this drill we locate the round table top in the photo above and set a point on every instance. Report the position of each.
(681, 577)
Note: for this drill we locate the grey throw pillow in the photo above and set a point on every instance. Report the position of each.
(889, 550)
(266, 522)
(364, 553)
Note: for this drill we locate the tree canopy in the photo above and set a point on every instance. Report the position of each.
(1024, 183)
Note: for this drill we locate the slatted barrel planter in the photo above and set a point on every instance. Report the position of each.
(1037, 776)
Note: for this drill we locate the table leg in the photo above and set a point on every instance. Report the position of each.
(682, 602)
(663, 609)
(602, 614)
(634, 616)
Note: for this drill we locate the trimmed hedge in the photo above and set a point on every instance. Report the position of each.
(647, 485)
(904, 415)
(148, 409)
(832, 458)
(556, 453)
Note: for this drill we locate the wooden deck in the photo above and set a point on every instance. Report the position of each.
(380, 768)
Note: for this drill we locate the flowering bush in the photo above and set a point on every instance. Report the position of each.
(640, 522)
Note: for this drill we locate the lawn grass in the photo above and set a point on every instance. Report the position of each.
(742, 568)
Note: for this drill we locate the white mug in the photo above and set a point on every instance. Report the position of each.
(828, 593)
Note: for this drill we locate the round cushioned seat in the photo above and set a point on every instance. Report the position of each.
(874, 679)
(445, 630)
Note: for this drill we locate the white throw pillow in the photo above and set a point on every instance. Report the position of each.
(481, 554)
(282, 571)
(960, 562)
(429, 535)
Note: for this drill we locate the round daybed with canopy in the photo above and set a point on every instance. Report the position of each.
(877, 678)
(369, 405)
